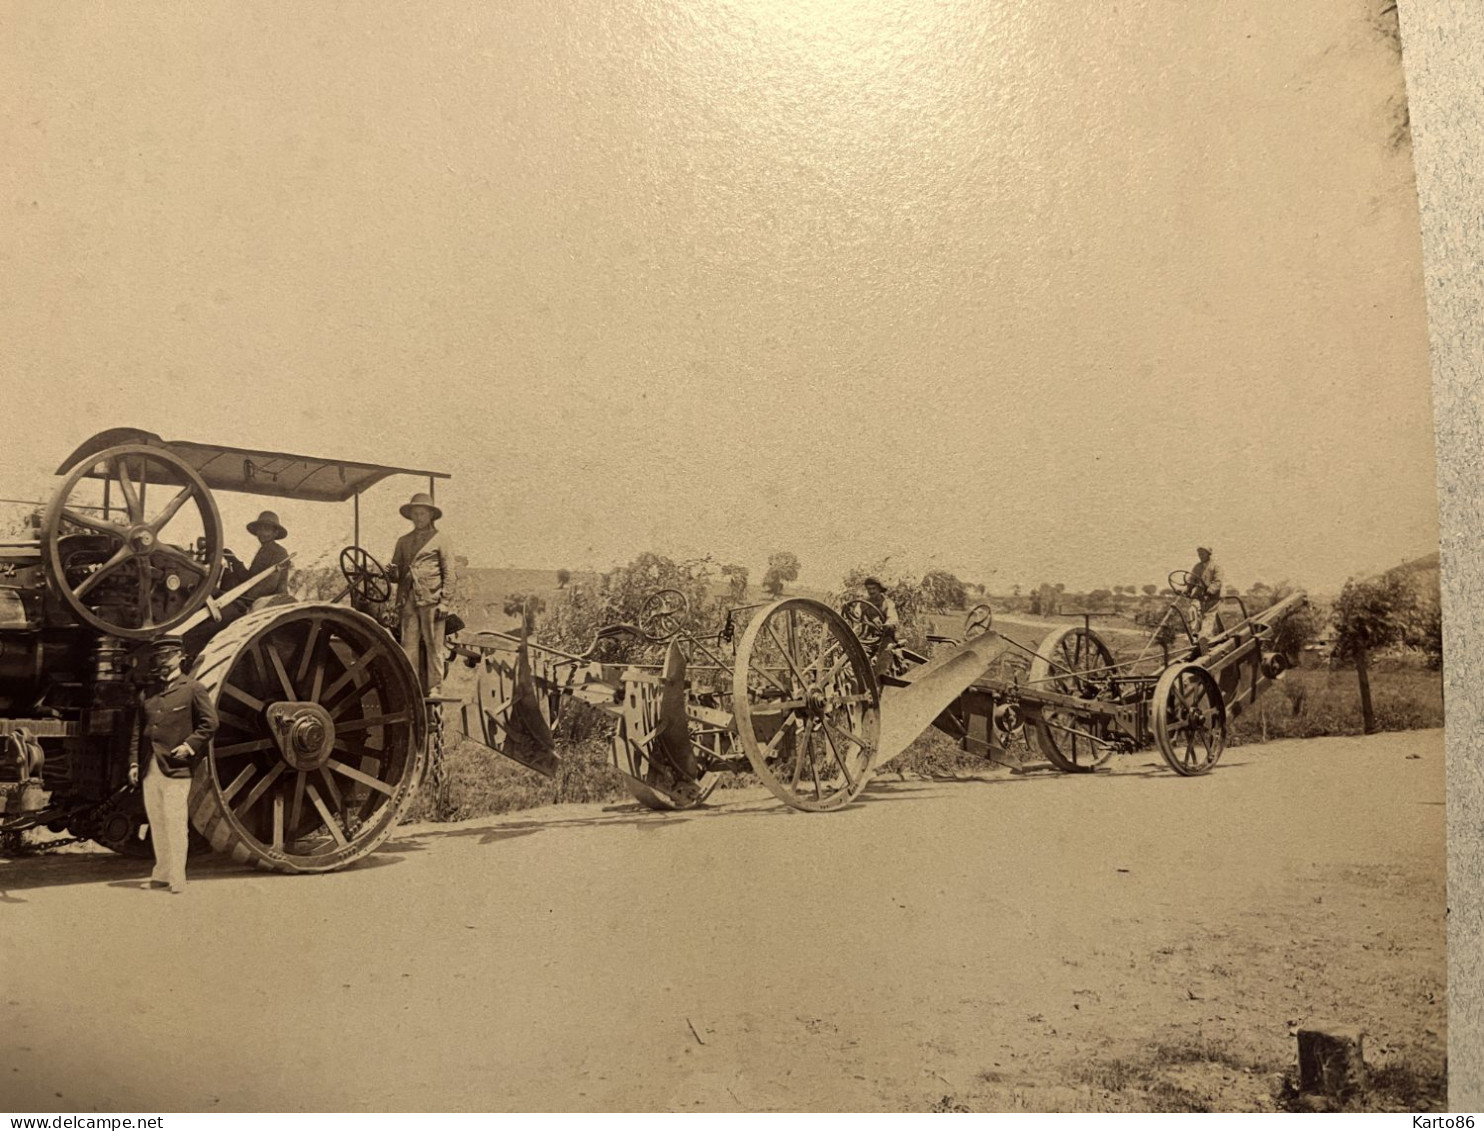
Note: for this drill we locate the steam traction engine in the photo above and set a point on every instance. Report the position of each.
(323, 724)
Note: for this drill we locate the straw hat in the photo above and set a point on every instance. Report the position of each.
(270, 520)
(421, 499)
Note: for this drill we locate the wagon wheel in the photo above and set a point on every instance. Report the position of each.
(1068, 662)
(806, 704)
(979, 621)
(1189, 719)
(369, 584)
(137, 584)
(663, 614)
(322, 738)
(865, 620)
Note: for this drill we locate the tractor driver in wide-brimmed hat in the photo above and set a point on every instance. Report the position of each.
(423, 568)
(271, 557)
(270, 534)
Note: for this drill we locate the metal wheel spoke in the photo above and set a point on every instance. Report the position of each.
(278, 822)
(787, 657)
(246, 726)
(120, 556)
(252, 702)
(252, 747)
(96, 525)
(809, 751)
(771, 745)
(845, 733)
(778, 706)
(132, 502)
(828, 644)
(839, 761)
(296, 808)
(325, 815)
(230, 791)
(258, 790)
(373, 721)
(170, 510)
(279, 670)
(311, 641)
(355, 669)
(356, 775)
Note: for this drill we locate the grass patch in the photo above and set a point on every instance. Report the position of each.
(1400, 1086)
(1314, 702)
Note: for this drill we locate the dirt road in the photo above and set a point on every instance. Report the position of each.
(1124, 941)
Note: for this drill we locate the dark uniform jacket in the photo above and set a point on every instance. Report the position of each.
(168, 715)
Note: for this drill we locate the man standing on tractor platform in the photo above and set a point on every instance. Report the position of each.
(1205, 590)
(173, 727)
(423, 568)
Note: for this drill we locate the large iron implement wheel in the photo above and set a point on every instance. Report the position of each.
(806, 704)
(322, 738)
(1189, 719)
(1074, 661)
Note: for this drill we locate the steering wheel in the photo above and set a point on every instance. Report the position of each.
(663, 614)
(368, 582)
(123, 575)
(865, 620)
(979, 621)
(1187, 586)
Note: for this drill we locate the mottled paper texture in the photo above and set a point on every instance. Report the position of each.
(1444, 57)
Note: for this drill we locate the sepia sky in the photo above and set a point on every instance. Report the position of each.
(1030, 292)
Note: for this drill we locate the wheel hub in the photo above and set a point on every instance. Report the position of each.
(141, 539)
(305, 733)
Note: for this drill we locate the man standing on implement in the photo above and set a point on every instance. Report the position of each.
(1205, 586)
(174, 724)
(423, 567)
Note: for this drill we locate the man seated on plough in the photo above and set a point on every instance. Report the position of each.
(891, 623)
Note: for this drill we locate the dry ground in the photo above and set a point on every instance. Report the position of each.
(1126, 941)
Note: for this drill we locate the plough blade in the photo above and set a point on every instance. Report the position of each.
(653, 731)
(925, 693)
(674, 734)
(505, 712)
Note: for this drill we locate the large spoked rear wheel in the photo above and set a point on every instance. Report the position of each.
(1071, 661)
(1189, 719)
(806, 704)
(322, 738)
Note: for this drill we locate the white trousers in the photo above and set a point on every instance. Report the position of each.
(167, 805)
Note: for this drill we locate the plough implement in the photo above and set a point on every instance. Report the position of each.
(790, 696)
(1080, 705)
(813, 705)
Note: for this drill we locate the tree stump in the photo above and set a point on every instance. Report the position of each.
(1331, 1061)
